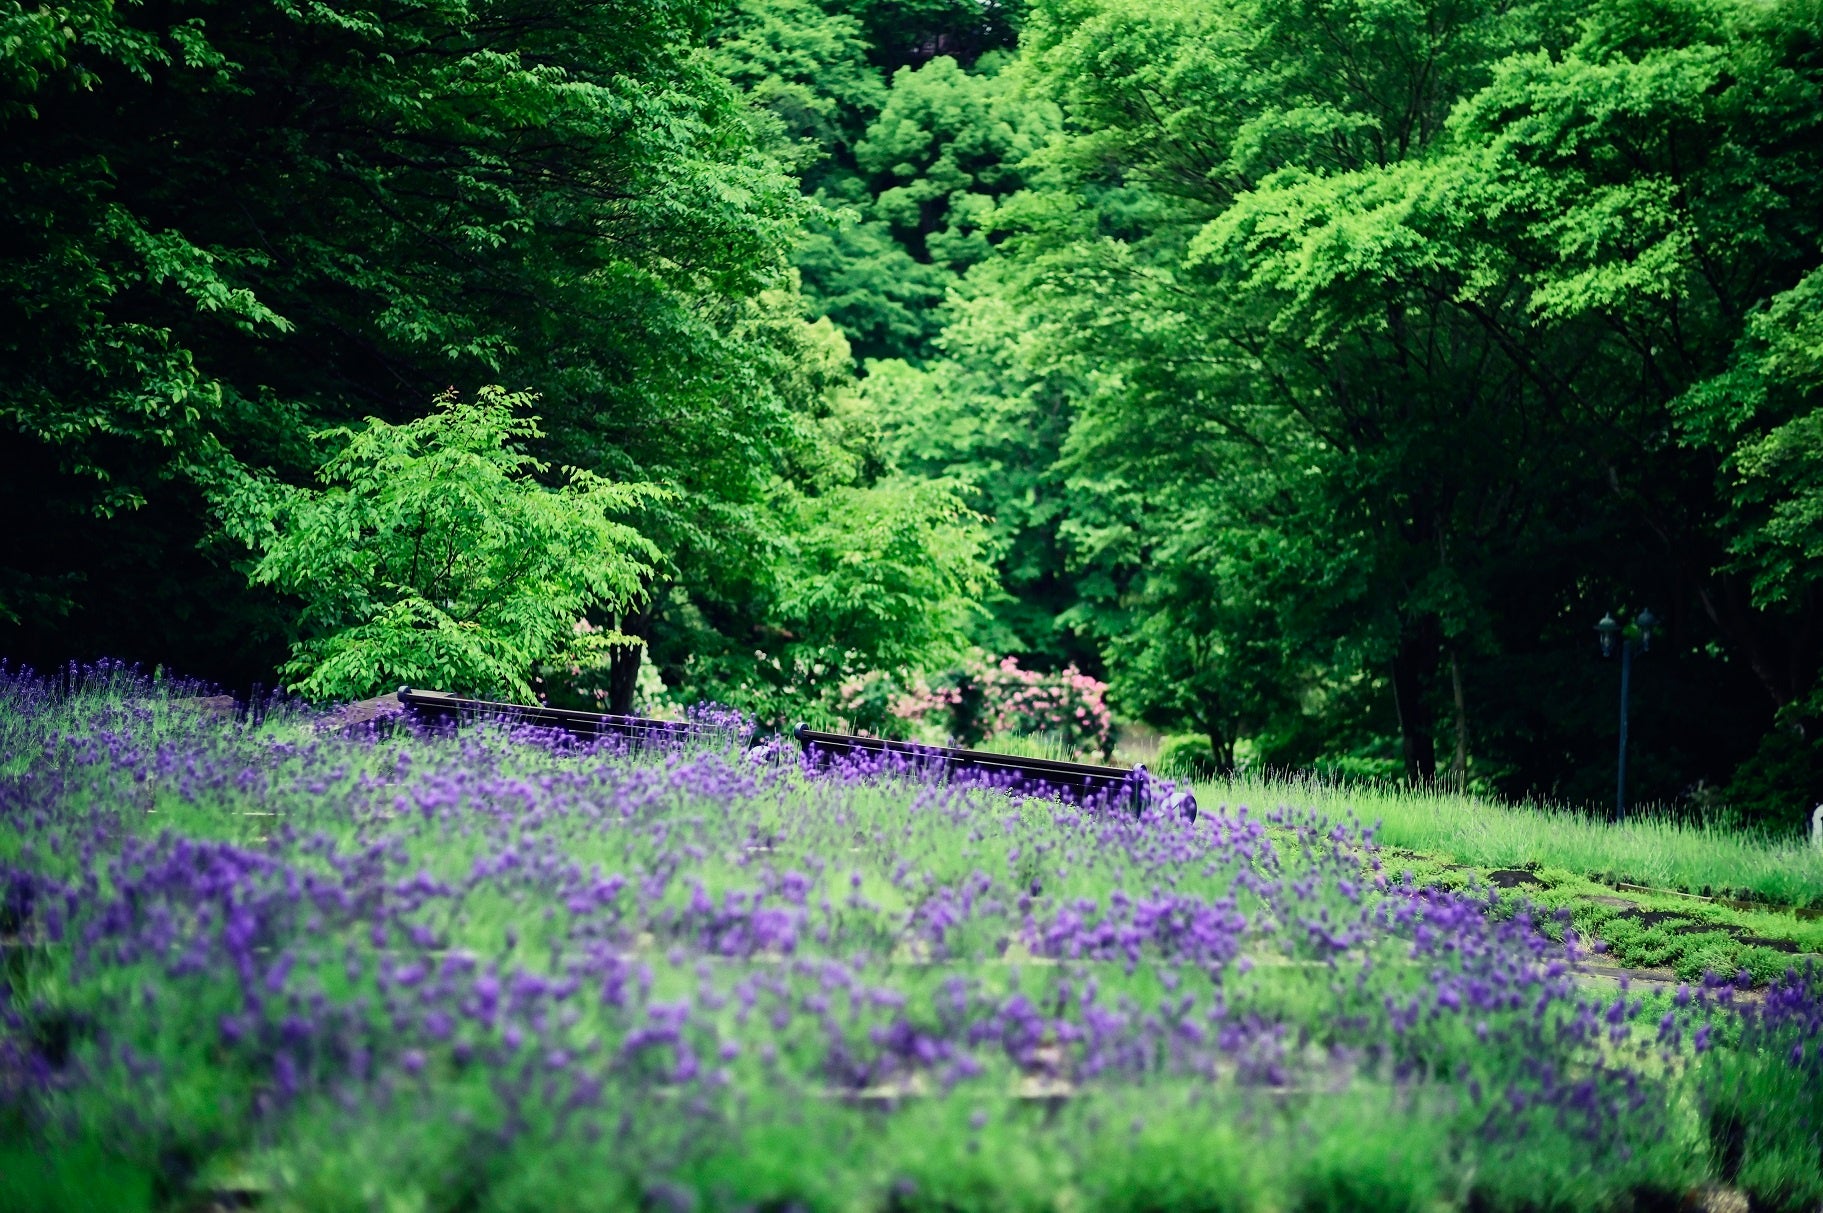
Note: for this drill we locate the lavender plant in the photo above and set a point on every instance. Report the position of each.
(272, 955)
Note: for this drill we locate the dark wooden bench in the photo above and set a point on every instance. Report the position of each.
(1132, 788)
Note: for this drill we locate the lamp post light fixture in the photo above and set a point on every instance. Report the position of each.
(1614, 640)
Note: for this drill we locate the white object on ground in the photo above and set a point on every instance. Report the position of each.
(1816, 828)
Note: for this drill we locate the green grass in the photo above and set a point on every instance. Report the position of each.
(1704, 898)
(1647, 849)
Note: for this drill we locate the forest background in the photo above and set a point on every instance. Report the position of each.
(1315, 372)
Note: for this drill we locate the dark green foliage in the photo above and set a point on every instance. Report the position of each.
(230, 223)
(1318, 371)
(806, 74)
(1399, 330)
(1780, 781)
(908, 32)
(924, 187)
(885, 299)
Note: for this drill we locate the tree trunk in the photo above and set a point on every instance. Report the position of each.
(1459, 768)
(1414, 662)
(1221, 746)
(623, 663)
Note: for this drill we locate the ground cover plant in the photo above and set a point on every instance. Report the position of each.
(264, 958)
(1776, 867)
(1657, 891)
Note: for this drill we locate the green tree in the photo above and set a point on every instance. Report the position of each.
(232, 223)
(945, 150)
(1655, 180)
(881, 576)
(1654, 183)
(433, 556)
(887, 576)
(1205, 649)
(850, 565)
(1764, 415)
(1392, 308)
(919, 202)
(1229, 241)
(988, 417)
(806, 74)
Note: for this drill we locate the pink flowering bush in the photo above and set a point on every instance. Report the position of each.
(986, 698)
(1069, 706)
(881, 704)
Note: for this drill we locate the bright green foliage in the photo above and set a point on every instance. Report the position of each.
(233, 223)
(945, 150)
(1379, 314)
(1656, 183)
(986, 417)
(806, 72)
(1764, 416)
(1286, 394)
(911, 171)
(1324, 368)
(432, 556)
(848, 566)
(1317, 371)
(880, 576)
(1774, 444)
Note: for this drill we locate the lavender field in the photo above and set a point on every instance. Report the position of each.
(266, 960)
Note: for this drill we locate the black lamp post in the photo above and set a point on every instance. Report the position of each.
(1614, 639)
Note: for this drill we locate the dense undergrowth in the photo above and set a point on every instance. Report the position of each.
(261, 959)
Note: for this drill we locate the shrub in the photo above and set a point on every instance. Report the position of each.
(984, 699)
(432, 555)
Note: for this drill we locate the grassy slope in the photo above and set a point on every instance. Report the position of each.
(1658, 893)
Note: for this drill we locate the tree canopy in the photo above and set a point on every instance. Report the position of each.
(231, 224)
(431, 555)
(1316, 371)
